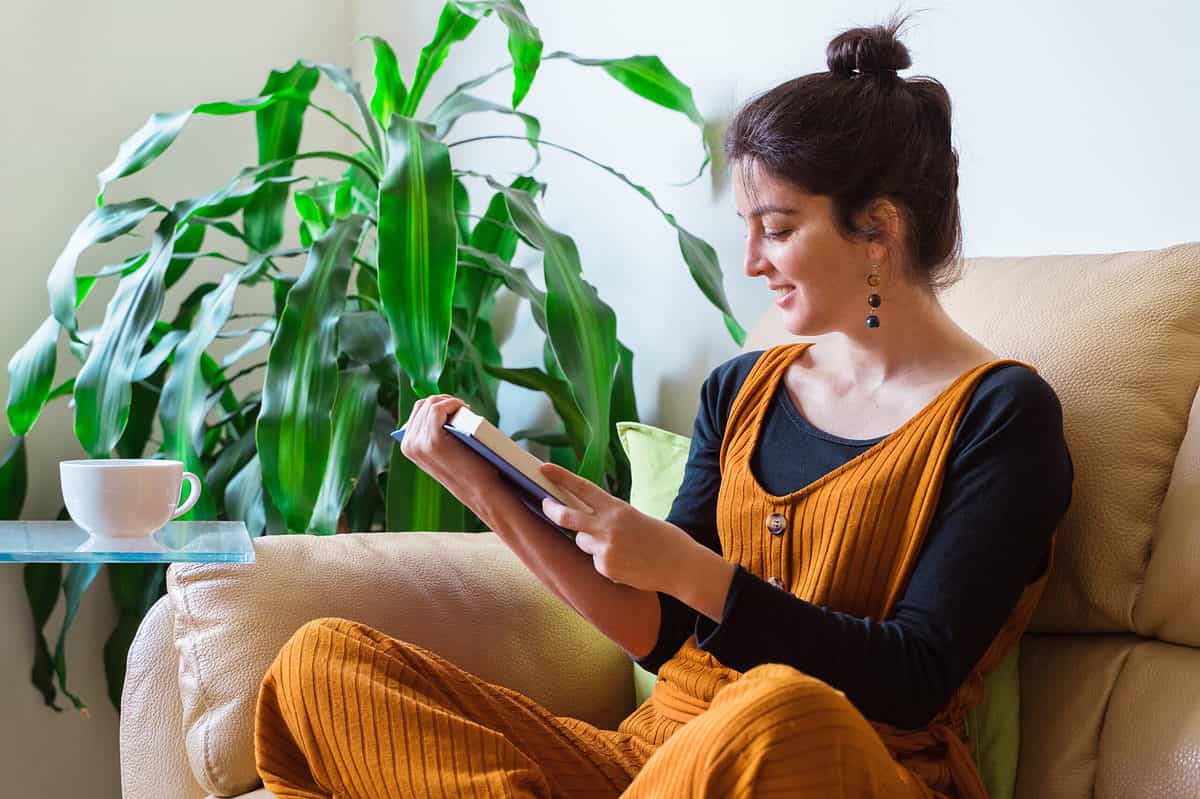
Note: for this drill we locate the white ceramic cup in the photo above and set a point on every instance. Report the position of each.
(125, 498)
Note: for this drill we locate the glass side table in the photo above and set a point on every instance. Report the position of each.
(176, 542)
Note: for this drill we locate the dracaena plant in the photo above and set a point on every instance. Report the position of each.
(389, 298)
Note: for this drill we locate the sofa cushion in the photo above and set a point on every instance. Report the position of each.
(465, 596)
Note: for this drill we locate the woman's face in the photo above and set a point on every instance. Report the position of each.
(791, 242)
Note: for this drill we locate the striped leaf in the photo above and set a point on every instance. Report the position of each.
(101, 225)
(417, 502)
(353, 416)
(135, 587)
(647, 77)
(454, 25)
(300, 386)
(79, 577)
(524, 40)
(582, 328)
(417, 250)
(30, 376)
(160, 131)
(278, 127)
(182, 407)
(390, 92)
(102, 388)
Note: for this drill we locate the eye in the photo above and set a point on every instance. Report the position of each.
(776, 235)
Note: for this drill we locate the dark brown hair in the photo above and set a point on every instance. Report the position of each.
(860, 132)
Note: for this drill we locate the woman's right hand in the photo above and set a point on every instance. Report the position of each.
(439, 454)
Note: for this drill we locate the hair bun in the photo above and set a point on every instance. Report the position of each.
(867, 50)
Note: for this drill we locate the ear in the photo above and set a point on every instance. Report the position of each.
(883, 225)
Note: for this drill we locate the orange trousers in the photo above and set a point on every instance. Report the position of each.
(347, 711)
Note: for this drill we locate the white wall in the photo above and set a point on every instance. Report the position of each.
(1070, 120)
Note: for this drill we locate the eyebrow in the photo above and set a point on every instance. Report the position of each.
(769, 209)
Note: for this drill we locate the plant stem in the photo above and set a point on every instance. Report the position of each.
(619, 175)
(334, 155)
(219, 387)
(349, 128)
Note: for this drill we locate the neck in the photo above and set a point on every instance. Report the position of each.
(915, 337)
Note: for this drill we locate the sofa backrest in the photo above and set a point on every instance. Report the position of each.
(1110, 666)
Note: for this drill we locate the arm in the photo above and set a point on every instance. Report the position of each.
(623, 613)
(626, 615)
(703, 580)
(1006, 488)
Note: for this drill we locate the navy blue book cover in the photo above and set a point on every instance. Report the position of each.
(529, 492)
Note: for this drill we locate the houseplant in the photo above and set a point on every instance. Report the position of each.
(391, 300)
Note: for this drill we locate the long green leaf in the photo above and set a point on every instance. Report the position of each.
(233, 456)
(79, 577)
(135, 587)
(559, 394)
(244, 498)
(187, 246)
(143, 404)
(496, 234)
(365, 337)
(101, 225)
(353, 415)
(42, 584)
(417, 240)
(30, 376)
(278, 126)
(524, 41)
(390, 92)
(160, 131)
(182, 408)
(14, 479)
(300, 386)
(581, 327)
(102, 388)
(454, 25)
(624, 409)
(698, 254)
(42, 580)
(647, 77)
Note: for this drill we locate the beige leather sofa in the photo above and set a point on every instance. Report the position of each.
(1110, 671)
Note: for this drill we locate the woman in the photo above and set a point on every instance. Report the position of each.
(864, 527)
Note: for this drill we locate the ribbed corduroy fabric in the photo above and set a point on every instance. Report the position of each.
(347, 711)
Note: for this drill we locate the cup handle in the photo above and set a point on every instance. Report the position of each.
(193, 494)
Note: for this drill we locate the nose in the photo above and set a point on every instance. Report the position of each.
(755, 264)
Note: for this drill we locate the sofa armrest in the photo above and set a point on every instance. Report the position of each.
(154, 762)
(466, 596)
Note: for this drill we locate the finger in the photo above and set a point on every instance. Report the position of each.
(563, 516)
(581, 487)
(587, 543)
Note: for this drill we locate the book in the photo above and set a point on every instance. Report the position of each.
(519, 467)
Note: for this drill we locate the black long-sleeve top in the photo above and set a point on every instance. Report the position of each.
(1007, 483)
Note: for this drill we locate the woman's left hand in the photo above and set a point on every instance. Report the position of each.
(626, 545)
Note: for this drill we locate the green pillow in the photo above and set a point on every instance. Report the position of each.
(995, 726)
(657, 459)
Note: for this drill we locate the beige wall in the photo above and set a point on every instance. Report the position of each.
(1072, 123)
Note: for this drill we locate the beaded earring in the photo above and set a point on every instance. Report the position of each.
(873, 299)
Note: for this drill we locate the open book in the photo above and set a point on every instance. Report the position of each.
(520, 468)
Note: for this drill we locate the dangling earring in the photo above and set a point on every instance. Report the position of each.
(873, 299)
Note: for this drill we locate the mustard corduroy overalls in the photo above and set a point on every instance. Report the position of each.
(347, 711)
